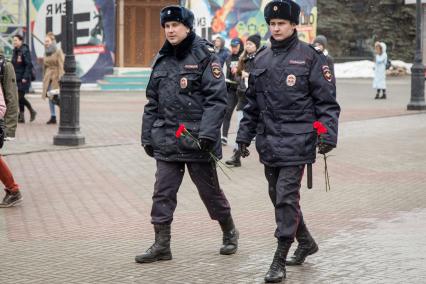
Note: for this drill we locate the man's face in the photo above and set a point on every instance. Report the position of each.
(320, 46)
(235, 49)
(218, 43)
(175, 32)
(281, 29)
(17, 42)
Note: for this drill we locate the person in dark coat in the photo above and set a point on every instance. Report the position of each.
(237, 48)
(290, 87)
(245, 64)
(221, 51)
(321, 43)
(187, 86)
(21, 60)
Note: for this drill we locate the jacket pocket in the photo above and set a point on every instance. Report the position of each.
(189, 82)
(256, 75)
(295, 79)
(188, 142)
(158, 133)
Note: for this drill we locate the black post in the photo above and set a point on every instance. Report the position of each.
(417, 101)
(27, 24)
(69, 123)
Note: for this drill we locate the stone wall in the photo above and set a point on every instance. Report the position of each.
(352, 27)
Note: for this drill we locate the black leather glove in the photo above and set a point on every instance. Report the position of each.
(324, 148)
(149, 150)
(242, 147)
(206, 145)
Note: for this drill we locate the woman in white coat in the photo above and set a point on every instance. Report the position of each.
(379, 82)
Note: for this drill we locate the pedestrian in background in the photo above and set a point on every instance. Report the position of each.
(237, 48)
(245, 65)
(290, 87)
(221, 51)
(21, 60)
(53, 69)
(10, 92)
(381, 59)
(321, 42)
(187, 86)
(13, 194)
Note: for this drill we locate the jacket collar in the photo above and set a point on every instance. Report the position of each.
(286, 44)
(180, 50)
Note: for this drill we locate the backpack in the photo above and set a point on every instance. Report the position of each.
(388, 64)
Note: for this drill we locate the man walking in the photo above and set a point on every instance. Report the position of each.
(237, 48)
(186, 87)
(290, 87)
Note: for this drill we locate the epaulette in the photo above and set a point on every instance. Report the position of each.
(203, 51)
(316, 48)
(156, 59)
(210, 48)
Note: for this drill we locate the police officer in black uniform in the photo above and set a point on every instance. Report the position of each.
(290, 87)
(186, 87)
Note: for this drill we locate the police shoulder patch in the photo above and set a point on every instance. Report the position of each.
(216, 70)
(326, 72)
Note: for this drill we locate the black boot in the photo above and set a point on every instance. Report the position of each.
(276, 272)
(306, 246)
(384, 95)
(21, 117)
(160, 250)
(377, 96)
(230, 237)
(33, 114)
(235, 159)
(52, 120)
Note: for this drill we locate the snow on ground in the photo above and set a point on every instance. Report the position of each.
(364, 68)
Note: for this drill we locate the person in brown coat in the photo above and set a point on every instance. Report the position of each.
(53, 65)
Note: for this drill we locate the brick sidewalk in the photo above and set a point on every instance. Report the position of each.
(86, 211)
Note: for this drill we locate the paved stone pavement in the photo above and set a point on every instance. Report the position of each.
(86, 210)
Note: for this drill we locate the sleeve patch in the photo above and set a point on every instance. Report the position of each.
(327, 73)
(216, 70)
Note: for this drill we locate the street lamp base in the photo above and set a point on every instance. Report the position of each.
(68, 139)
(416, 106)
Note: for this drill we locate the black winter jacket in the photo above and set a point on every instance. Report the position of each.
(186, 86)
(21, 60)
(241, 91)
(290, 87)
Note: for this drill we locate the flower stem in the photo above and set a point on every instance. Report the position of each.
(327, 177)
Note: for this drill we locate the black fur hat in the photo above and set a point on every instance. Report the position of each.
(178, 14)
(282, 9)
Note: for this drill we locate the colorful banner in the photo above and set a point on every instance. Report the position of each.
(242, 18)
(94, 34)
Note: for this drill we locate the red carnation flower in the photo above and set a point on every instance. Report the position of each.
(181, 130)
(321, 129)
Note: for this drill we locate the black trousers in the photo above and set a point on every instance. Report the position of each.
(284, 190)
(232, 103)
(23, 102)
(169, 177)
